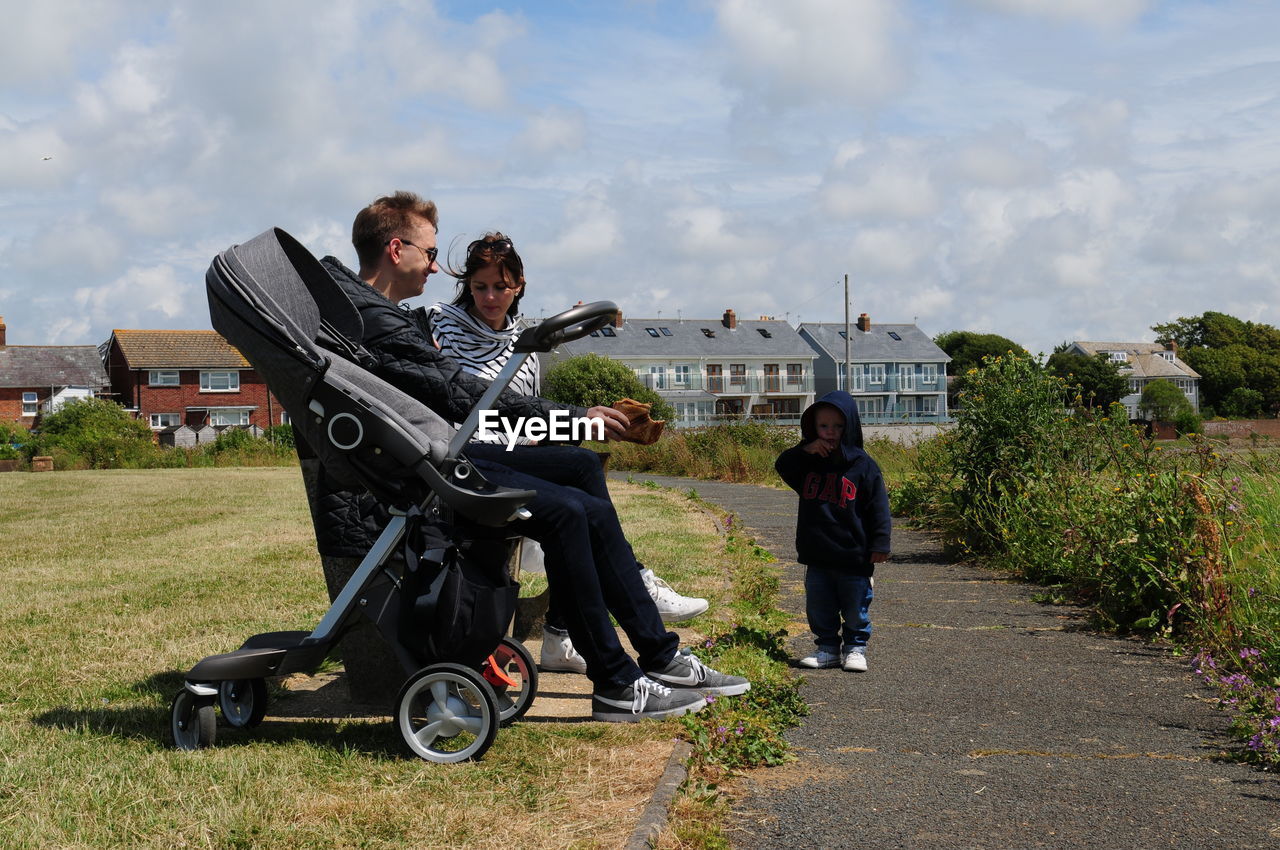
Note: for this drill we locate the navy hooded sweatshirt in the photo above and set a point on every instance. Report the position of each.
(844, 509)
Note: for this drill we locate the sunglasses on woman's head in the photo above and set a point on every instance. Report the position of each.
(494, 246)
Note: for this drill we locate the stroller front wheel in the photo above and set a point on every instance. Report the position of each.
(447, 713)
(243, 702)
(192, 721)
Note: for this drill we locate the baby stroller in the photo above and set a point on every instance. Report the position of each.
(444, 607)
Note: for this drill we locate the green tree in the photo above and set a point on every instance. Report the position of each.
(1242, 403)
(967, 350)
(1098, 379)
(1221, 371)
(592, 379)
(100, 433)
(1162, 401)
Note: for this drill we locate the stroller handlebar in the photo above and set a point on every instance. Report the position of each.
(574, 323)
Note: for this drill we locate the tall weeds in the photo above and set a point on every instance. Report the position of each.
(1178, 542)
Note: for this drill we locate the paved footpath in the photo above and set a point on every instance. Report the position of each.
(988, 720)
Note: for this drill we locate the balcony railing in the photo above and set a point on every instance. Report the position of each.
(895, 384)
(753, 384)
(873, 418)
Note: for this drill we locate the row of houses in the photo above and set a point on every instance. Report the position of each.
(709, 370)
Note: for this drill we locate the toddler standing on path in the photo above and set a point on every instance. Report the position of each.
(842, 528)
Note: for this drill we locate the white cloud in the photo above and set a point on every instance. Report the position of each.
(1100, 13)
(813, 51)
(141, 297)
(553, 131)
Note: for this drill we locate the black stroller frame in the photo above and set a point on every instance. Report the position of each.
(273, 301)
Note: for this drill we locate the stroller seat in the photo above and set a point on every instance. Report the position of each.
(442, 607)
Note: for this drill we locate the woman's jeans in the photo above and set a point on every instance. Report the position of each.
(832, 596)
(590, 566)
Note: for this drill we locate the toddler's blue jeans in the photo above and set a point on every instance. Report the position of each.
(836, 603)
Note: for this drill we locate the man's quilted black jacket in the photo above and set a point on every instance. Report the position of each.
(347, 523)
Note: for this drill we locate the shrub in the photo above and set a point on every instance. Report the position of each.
(94, 433)
(590, 380)
(280, 435)
(12, 439)
(1162, 401)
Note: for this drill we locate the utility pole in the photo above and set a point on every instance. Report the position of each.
(848, 367)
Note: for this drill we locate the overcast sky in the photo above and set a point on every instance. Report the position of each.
(1048, 170)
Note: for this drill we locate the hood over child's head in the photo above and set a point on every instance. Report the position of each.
(848, 408)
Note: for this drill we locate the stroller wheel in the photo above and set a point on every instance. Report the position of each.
(243, 702)
(514, 677)
(192, 721)
(446, 713)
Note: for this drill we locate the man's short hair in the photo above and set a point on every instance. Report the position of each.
(385, 219)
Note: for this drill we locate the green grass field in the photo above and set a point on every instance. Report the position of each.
(113, 583)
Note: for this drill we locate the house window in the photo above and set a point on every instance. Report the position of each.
(715, 378)
(737, 374)
(29, 404)
(607, 332)
(229, 416)
(284, 418)
(165, 420)
(1118, 357)
(658, 377)
(906, 378)
(651, 331)
(665, 331)
(1135, 386)
(795, 374)
(772, 379)
(894, 336)
(928, 373)
(929, 405)
(682, 375)
(220, 382)
(162, 377)
(875, 373)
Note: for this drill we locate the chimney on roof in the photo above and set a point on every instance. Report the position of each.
(730, 320)
(3, 333)
(1171, 345)
(617, 319)
(864, 323)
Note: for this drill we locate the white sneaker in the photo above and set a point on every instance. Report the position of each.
(558, 654)
(673, 607)
(821, 659)
(854, 662)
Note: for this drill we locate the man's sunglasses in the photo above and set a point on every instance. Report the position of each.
(429, 253)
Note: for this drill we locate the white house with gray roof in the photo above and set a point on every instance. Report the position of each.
(898, 373)
(1143, 363)
(710, 369)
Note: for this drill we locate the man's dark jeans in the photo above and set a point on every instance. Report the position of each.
(590, 566)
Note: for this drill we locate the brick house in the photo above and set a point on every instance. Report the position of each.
(192, 378)
(38, 379)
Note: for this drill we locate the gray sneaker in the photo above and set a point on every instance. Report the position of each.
(643, 698)
(686, 671)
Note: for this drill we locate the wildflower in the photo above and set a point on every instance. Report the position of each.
(1253, 591)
